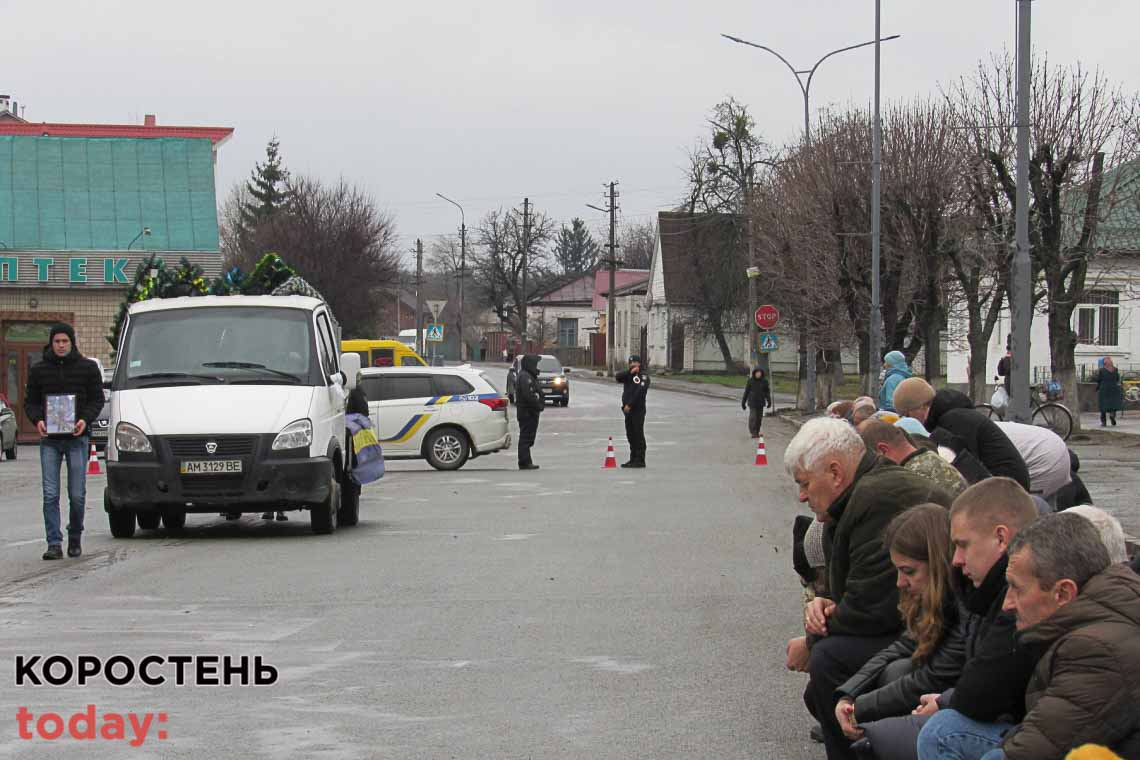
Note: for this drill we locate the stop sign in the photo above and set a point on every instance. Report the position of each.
(767, 317)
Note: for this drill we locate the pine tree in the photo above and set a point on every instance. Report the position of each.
(268, 185)
(575, 250)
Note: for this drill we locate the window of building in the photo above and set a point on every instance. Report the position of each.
(1098, 318)
(567, 332)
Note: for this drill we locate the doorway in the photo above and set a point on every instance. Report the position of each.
(23, 345)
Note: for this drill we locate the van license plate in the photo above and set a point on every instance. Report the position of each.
(211, 467)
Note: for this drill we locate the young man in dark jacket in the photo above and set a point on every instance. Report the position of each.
(529, 403)
(953, 422)
(991, 689)
(757, 395)
(64, 373)
(856, 494)
(636, 386)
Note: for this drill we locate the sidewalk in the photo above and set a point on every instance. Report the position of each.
(1127, 423)
(709, 390)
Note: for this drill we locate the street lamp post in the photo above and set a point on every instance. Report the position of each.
(805, 89)
(143, 231)
(462, 272)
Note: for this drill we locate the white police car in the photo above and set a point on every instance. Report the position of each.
(442, 414)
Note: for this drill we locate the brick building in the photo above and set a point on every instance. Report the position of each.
(81, 206)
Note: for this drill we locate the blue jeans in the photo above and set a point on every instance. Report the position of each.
(53, 451)
(950, 735)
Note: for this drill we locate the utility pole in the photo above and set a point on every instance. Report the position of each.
(420, 346)
(1020, 282)
(876, 178)
(525, 253)
(462, 272)
(611, 264)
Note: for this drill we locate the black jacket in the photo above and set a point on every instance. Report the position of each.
(938, 672)
(528, 392)
(954, 422)
(757, 393)
(70, 374)
(860, 573)
(997, 670)
(635, 386)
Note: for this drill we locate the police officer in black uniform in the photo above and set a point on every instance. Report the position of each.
(529, 405)
(635, 385)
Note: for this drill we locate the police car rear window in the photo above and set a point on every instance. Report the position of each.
(451, 385)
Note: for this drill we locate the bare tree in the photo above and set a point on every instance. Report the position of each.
(337, 239)
(497, 261)
(637, 241)
(1078, 120)
(233, 239)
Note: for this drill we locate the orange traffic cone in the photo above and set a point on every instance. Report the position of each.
(761, 452)
(93, 467)
(611, 460)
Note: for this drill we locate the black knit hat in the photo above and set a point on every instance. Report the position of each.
(633, 358)
(61, 327)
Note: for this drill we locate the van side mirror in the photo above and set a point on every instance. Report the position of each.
(567, 370)
(350, 366)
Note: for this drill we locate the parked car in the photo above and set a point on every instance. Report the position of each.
(445, 415)
(8, 430)
(383, 353)
(551, 376)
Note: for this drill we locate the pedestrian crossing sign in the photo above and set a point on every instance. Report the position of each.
(769, 342)
(435, 333)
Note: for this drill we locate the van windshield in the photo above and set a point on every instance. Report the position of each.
(233, 345)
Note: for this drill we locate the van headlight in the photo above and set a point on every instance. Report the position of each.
(559, 380)
(295, 435)
(131, 440)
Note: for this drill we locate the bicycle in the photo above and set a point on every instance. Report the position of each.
(1046, 413)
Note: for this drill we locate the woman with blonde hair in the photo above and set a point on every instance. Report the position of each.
(928, 657)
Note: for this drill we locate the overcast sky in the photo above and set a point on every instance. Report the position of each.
(491, 101)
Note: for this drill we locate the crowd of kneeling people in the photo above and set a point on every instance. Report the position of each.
(963, 599)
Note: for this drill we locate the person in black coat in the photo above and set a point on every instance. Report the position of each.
(529, 403)
(635, 386)
(63, 373)
(953, 422)
(757, 395)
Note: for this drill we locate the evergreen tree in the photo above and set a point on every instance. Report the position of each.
(575, 250)
(268, 184)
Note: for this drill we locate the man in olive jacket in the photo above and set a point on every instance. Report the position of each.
(1071, 598)
(856, 494)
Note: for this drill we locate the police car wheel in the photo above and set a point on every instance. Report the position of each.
(447, 448)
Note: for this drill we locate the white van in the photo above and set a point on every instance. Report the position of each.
(229, 404)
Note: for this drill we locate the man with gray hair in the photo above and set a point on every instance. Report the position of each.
(1083, 610)
(855, 494)
(1110, 530)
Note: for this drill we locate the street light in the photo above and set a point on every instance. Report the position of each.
(462, 271)
(805, 88)
(143, 231)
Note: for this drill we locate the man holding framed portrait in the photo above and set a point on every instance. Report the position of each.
(64, 398)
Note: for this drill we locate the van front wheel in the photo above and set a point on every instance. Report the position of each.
(349, 502)
(122, 521)
(323, 516)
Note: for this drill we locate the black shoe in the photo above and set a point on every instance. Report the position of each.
(266, 515)
(74, 548)
(281, 517)
(528, 466)
(627, 464)
(1114, 422)
(637, 465)
(232, 515)
(53, 552)
(817, 733)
